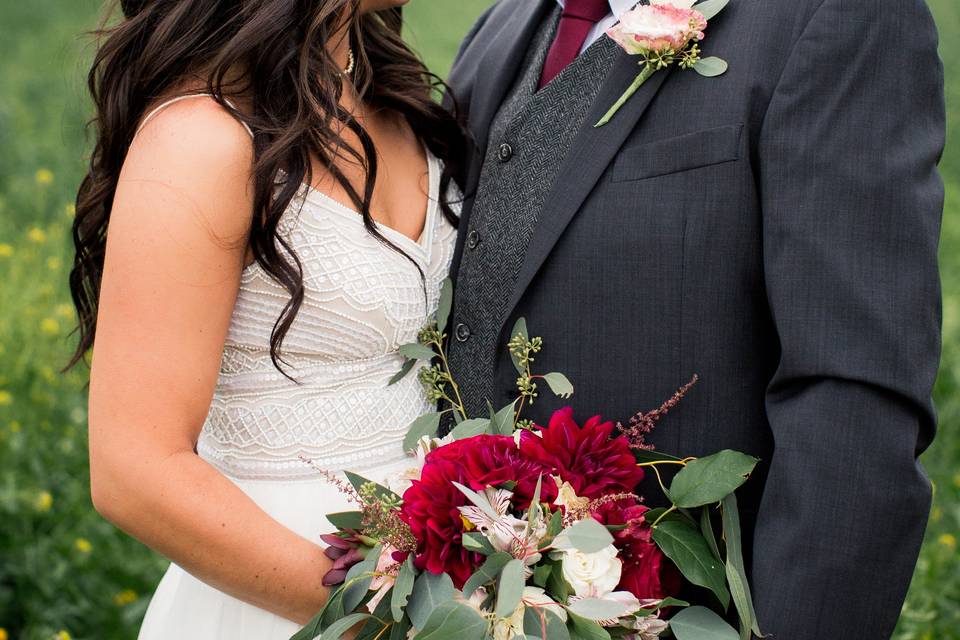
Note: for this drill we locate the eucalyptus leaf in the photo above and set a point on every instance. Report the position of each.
(736, 573)
(501, 422)
(358, 481)
(710, 8)
(689, 551)
(487, 572)
(346, 520)
(510, 586)
(417, 351)
(476, 541)
(430, 590)
(539, 622)
(706, 528)
(559, 384)
(426, 425)
(312, 629)
(587, 536)
(649, 455)
(597, 609)
(402, 588)
(519, 329)
(470, 428)
(407, 367)
(399, 630)
(583, 629)
(341, 626)
(541, 574)
(445, 304)
(453, 620)
(357, 583)
(700, 623)
(557, 586)
(710, 479)
(711, 67)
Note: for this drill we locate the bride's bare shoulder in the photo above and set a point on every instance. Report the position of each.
(195, 151)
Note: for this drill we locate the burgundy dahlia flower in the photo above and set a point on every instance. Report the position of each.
(587, 457)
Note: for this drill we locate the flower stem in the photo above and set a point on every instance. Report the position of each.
(643, 76)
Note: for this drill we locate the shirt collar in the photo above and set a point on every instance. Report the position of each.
(617, 7)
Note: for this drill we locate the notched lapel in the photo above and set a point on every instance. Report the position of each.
(591, 153)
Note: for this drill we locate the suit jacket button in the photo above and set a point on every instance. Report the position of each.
(505, 152)
(473, 239)
(462, 332)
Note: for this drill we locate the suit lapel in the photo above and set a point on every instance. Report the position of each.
(589, 156)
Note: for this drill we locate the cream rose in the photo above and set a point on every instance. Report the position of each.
(592, 575)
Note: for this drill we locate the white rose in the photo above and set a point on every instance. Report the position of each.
(592, 575)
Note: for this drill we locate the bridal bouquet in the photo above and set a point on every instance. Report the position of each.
(507, 530)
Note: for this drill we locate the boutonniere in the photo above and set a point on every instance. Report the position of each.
(663, 33)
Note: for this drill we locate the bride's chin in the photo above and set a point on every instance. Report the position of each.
(366, 6)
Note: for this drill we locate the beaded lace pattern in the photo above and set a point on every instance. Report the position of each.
(362, 300)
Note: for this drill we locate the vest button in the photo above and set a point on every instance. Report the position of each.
(473, 239)
(505, 152)
(462, 332)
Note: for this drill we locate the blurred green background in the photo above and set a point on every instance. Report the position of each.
(64, 572)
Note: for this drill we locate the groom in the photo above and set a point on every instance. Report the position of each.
(773, 229)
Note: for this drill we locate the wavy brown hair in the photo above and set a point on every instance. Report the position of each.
(293, 87)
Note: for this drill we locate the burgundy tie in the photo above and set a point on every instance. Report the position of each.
(578, 18)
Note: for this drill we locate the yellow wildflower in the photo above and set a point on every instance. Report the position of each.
(6, 251)
(123, 598)
(54, 263)
(6, 398)
(3, 634)
(48, 374)
(43, 502)
(14, 426)
(44, 177)
(62, 635)
(64, 311)
(936, 515)
(50, 326)
(947, 540)
(38, 235)
(82, 545)
(70, 210)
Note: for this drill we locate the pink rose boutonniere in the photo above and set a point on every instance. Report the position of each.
(662, 33)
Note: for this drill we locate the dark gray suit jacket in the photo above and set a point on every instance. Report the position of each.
(774, 230)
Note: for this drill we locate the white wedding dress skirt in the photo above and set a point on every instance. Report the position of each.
(185, 608)
(362, 300)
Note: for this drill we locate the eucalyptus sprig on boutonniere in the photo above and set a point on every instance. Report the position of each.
(662, 33)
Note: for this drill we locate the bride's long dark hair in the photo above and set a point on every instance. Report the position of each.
(293, 87)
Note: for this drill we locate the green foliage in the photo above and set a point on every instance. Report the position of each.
(61, 566)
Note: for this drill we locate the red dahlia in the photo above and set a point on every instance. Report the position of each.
(647, 573)
(587, 457)
(430, 504)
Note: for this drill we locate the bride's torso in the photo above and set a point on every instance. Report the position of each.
(362, 300)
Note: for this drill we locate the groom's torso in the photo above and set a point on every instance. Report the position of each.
(634, 250)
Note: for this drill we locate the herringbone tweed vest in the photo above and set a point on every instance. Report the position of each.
(529, 139)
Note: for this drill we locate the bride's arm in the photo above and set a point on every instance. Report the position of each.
(175, 251)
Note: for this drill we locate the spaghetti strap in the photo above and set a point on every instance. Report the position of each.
(166, 104)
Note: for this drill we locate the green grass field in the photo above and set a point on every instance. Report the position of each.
(65, 573)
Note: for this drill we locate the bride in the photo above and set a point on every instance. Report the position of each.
(268, 214)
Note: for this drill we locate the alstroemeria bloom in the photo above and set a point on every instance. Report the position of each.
(659, 26)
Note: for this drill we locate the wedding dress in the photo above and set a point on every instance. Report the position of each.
(363, 299)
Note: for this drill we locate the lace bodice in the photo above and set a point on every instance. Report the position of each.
(362, 301)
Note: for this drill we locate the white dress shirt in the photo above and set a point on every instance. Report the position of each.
(617, 9)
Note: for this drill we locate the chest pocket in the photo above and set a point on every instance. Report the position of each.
(681, 153)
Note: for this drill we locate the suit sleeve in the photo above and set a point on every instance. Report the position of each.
(852, 203)
(458, 95)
